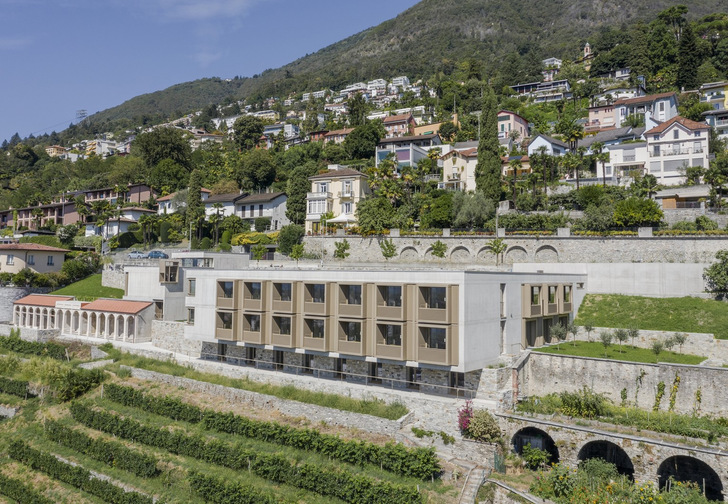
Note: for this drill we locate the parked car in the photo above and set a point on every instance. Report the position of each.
(137, 254)
(157, 254)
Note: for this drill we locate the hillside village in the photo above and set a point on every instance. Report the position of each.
(403, 290)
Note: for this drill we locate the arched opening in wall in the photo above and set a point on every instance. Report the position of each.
(608, 452)
(684, 468)
(409, 254)
(537, 439)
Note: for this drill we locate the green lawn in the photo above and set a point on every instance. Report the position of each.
(90, 288)
(626, 353)
(685, 314)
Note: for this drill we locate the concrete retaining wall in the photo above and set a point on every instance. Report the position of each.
(544, 374)
(10, 294)
(289, 408)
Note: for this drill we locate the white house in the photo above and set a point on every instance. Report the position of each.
(168, 204)
(553, 146)
(625, 160)
(675, 145)
(272, 205)
(661, 107)
(226, 202)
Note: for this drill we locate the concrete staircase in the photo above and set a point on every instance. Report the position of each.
(474, 479)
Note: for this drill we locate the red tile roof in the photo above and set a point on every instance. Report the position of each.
(396, 118)
(643, 99)
(117, 306)
(42, 300)
(688, 123)
(344, 131)
(30, 246)
(343, 172)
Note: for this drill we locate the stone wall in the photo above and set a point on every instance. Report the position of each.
(463, 250)
(171, 336)
(30, 334)
(9, 294)
(690, 214)
(312, 412)
(543, 374)
(113, 276)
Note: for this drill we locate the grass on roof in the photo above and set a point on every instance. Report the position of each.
(624, 352)
(89, 289)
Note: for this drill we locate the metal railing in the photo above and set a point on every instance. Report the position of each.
(342, 375)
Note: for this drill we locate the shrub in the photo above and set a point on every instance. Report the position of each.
(15, 344)
(164, 228)
(464, 415)
(585, 403)
(262, 224)
(226, 237)
(484, 427)
(598, 469)
(439, 249)
(14, 387)
(18, 491)
(342, 249)
(535, 457)
(205, 243)
(24, 277)
(705, 223)
(76, 382)
(127, 239)
(288, 237)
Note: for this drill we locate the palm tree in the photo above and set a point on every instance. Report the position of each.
(37, 214)
(574, 133)
(515, 165)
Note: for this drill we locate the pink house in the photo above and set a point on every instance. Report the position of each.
(399, 125)
(601, 117)
(510, 121)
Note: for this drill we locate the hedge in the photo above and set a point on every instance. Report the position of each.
(419, 463)
(332, 482)
(13, 343)
(20, 492)
(76, 382)
(75, 476)
(15, 387)
(213, 489)
(110, 453)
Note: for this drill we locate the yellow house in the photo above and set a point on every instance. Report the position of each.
(15, 257)
(338, 191)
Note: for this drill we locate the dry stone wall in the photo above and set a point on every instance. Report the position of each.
(171, 336)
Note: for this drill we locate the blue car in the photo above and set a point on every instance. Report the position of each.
(157, 254)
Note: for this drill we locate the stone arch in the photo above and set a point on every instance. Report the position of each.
(516, 254)
(75, 322)
(120, 327)
(460, 254)
(409, 254)
(538, 439)
(130, 329)
(610, 452)
(484, 254)
(547, 254)
(685, 468)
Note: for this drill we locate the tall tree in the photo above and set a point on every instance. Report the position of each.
(297, 189)
(358, 109)
(488, 168)
(195, 207)
(164, 143)
(362, 142)
(247, 131)
(688, 60)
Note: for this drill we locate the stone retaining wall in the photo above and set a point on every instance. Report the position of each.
(543, 374)
(114, 276)
(8, 411)
(171, 336)
(552, 249)
(30, 334)
(290, 408)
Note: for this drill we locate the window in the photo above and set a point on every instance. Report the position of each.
(224, 320)
(316, 292)
(433, 337)
(391, 295)
(50, 261)
(347, 187)
(390, 334)
(697, 133)
(191, 316)
(260, 210)
(346, 207)
(552, 294)
(676, 134)
(283, 324)
(350, 331)
(31, 260)
(656, 137)
(225, 290)
(435, 297)
(535, 295)
(351, 294)
(10, 260)
(252, 290)
(323, 187)
(191, 286)
(307, 363)
(252, 210)
(697, 147)
(252, 323)
(662, 106)
(315, 328)
(567, 293)
(656, 151)
(283, 291)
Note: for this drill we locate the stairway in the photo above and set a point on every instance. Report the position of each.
(475, 478)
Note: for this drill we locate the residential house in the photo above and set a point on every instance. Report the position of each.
(271, 205)
(627, 161)
(117, 224)
(353, 89)
(675, 145)
(273, 130)
(522, 164)
(14, 257)
(168, 205)
(317, 136)
(408, 151)
(226, 124)
(55, 150)
(337, 136)
(399, 125)
(222, 204)
(510, 121)
(715, 94)
(338, 109)
(377, 87)
(199, 137)
(551, 68)
(553, 146)
(458, 169)
(683, 197)
(420, 113)
(600, 117)
(613, 136)
(542, 92)
(266, 115)
(339, 190)
(401, 82)
(660, 107)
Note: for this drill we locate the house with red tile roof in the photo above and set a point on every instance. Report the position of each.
(400, 125)
(675, 145)
(38, 258)
(659, 107)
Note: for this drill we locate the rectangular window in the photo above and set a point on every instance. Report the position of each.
(283, 291)
(224, 320)
(351, 294)
(191, 316)
(347, 187)
(191, 286)
(675, 134)
(567, 293)
(435, 297)
(252, 323)
(535, 295)
(283, 324)
(315, 328)
(391, 295)
(31, 260)
(347, 208)
(260, 210)
(552, 294)
(433, 337)
(697, 133)
(252, 290)
(316, 292)
(390, 334)
(10, 260)
(697, 147)
(656, 151)
(50, 260)
(350, 331)
(225, 290)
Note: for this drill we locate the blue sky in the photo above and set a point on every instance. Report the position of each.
(59, 56)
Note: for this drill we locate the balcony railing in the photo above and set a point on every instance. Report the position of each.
(318, 195)
(678, 152)
(346, 194)
(629, 158)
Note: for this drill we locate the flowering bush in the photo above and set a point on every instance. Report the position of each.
(464, 415)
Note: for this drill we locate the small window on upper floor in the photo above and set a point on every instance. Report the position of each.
(31, 260)
(50, 261)
(191, 286)
(535, 295)
(697, 133)
(676, 134)
(10, 260)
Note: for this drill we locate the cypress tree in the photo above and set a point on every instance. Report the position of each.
(688, 60)
(488, 169)
(195, 207)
